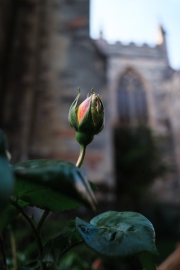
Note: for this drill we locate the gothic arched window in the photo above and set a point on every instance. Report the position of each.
(131, 98)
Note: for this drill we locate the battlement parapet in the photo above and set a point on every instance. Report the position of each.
(130, 50)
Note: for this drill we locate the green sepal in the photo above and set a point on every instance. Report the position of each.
(101, 118)
(72, 117)
(84, 138)
(98, 117)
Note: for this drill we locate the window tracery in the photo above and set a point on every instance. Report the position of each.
(131, 98)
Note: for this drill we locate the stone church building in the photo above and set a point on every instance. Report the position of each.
(46, 54)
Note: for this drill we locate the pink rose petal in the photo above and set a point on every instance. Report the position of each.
(82, 109)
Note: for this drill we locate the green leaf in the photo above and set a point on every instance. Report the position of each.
(9, 213)
(6, 176)
(55, 248)
(43, 197)
(54, 185)
(118, 234)
(146, 260)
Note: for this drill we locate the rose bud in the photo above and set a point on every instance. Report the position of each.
(88, 118)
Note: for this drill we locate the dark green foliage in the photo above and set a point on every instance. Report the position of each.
(55, 248)
(9, 213)
(119, 234)
(54, 185)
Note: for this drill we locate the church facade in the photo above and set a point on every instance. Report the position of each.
(50, 55)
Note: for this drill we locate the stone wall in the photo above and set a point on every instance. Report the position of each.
(20, 73)
(51, 55)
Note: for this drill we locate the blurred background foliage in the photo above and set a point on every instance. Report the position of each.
(139, 160)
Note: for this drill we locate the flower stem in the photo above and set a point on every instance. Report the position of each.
(34, 229)
(81, 156)
(41, 222)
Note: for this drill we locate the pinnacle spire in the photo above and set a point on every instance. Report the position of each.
(161, 35)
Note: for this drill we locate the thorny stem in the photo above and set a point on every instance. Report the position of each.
(3, 252)
(81, 156)
(34, 229)
(41, 222)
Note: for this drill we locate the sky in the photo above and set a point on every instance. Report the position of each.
(137, 21)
